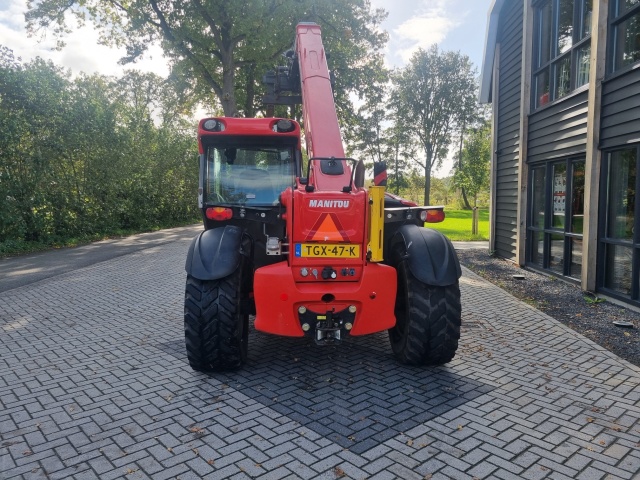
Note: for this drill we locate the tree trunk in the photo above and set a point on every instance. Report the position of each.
(427, 173)
(397, 174)
(467, 206)
(427, 186)
(228, 100)
(249, 110)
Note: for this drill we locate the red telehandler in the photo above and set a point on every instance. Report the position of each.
(309, 250)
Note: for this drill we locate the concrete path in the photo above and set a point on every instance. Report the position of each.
(23, 270)
(94, 383)
(470, 245)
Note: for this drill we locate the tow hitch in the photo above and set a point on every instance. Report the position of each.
(328, 327)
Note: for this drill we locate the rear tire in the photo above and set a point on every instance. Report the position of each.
(428, 320)
(216, 333)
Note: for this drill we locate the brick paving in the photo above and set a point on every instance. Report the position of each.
(94, 383)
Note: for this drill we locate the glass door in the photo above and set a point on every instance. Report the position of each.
(619, 241)
(554, 239)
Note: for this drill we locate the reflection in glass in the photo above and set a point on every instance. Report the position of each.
(577, 198)
(556, 253)
(583, 64)
(565, 26)
(627, 42)
(617, 272)
(249, 175)
(536, 243)
(562, 74)
(576, 258)
(542, 88)
(537, 205)
(559, 194)
(586, 10)
(544, 35)
(621, 194)
(624, 6)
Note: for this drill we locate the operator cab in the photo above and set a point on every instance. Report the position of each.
(251, 175)
(245, 166)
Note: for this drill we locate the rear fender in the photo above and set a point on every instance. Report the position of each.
(431, 256)
(215, 253)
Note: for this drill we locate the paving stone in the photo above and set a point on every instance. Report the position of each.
(97, 382)
(384, 475)
(590, 473)
(482, 470)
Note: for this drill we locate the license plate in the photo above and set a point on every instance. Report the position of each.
(327, 250)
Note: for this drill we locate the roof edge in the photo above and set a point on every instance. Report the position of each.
(488, 56)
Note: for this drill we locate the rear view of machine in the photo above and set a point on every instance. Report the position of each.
(308, 249)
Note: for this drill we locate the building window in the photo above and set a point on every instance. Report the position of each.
(619, 240)
(625, 32)
(556, 213)
(562, 48)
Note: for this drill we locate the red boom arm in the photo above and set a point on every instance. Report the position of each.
(322, 133)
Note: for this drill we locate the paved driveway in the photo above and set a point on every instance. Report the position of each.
(94, 384)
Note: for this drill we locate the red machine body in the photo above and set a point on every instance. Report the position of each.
(300, 247)
(326, 218)
(327, 227)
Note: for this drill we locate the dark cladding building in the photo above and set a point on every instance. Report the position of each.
(563, 77)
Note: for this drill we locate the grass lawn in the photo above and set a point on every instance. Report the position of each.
(457, 225)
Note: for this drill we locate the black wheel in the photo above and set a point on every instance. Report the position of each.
(216, 333)
(428, 321)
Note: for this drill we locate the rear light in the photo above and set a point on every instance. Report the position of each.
(219, 214)
(213, 125)
(284, 125)
(432, 216)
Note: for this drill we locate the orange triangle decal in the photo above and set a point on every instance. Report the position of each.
(327, 229)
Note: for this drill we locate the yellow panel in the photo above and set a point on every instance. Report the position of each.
(376, 223)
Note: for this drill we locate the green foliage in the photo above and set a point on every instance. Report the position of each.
(435, 95)
(442, 192)
(89, 157)
(471, 172)
(593, 299)
(220, 49)
(457, 225)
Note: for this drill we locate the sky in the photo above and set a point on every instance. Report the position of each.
(457, 25)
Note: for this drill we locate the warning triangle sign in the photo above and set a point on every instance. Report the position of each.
(327, 229)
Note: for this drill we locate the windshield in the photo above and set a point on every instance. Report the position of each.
(251, 175)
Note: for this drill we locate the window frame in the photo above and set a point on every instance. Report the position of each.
(555, 56)
(615, 21)
(547, 230)
(605, 241)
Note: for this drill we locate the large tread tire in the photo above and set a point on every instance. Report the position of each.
(216, 333)
(428, 320)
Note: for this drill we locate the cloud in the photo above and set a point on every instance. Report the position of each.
(12, 15)
(431, 24)
(82, 52)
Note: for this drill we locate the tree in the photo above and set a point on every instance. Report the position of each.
(434, 91)
(472, 171)
(474, 116)
(89, 156)
(441, 190)
(375, 133)
(34, 100)
(224, 46)
(400, 146)
(364, 133)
